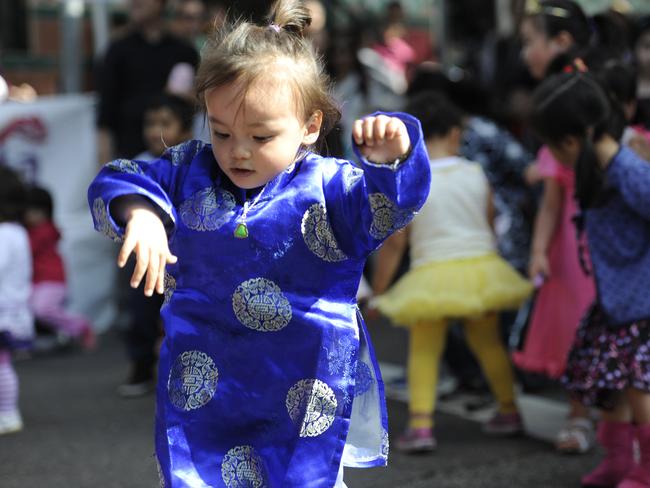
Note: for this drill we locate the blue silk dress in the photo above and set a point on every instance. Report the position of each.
(267, 377)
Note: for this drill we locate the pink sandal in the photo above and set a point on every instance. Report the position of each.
(417, 440)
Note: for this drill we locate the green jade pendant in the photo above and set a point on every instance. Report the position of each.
(241, 231)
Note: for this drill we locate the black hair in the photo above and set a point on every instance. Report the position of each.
(461, 88)
(575, 104)
(12, 196)
(641, 26)
(613, 36)
(40, 199)
(182, 108)
(564, 15)
(436, 114)
(620, 80)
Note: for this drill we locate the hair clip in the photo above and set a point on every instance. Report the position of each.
(576, 66)
(275, 27)
(533, 7)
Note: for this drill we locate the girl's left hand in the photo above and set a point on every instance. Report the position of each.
(381, 139)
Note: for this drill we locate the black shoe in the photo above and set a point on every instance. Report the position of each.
(140, 382)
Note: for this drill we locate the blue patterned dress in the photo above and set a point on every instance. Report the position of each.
(267, 377)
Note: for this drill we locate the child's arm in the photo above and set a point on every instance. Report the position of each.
(491, 209)
(389, 256)
(545, 225)
(367, 205)
(131, 200)
(627, 172)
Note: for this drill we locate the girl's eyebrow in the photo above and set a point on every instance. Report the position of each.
(259, 123)
(212, 118)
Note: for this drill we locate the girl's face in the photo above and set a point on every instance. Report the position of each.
(160, 125)
(257, 134)
(643, 51)
(567, 151)
(538, 49)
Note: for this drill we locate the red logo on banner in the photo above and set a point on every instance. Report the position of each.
(21, 155)
(31, 128)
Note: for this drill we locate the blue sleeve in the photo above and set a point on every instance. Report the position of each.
(368, 204)
(630, 175)
(155, 180)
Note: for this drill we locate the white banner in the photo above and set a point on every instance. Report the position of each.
(51, 142)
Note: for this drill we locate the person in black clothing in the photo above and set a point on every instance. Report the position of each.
(135, 69)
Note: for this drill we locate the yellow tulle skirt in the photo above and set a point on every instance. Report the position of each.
(461, 288)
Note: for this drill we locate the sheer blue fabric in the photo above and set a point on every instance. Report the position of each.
(267, 375)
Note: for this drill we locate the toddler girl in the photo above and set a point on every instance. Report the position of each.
(455, 273)
(16, 321)
(49, 283)
(609, 365)
(266, 374)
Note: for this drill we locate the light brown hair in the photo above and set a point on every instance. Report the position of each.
(241, 52)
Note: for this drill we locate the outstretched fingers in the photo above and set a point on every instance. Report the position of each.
(141, 265)
(127, 248)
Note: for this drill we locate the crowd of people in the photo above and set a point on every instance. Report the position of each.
(513, 188)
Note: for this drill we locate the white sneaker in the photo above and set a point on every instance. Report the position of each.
(10, 422)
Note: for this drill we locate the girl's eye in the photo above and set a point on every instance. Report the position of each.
(262, 138)
(220, 135)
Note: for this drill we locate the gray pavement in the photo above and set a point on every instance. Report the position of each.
(78, 433)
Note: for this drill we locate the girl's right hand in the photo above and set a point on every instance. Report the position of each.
(146, 237)
(539, 266)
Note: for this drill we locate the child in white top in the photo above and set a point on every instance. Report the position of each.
(16, 321)
(455, 273)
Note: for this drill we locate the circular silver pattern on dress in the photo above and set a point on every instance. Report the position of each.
(318, 235)
(311, 403)
(363, 379)
(170, 288)
(125, 166)
(259, 304)
(242, 467)
(102, 222)
(387, 217)
(208, 209)
(192, 380)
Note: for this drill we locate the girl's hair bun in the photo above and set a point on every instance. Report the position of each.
(290, 15)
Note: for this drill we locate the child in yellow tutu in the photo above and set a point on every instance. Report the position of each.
(455, 273)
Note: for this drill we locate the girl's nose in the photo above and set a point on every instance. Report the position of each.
(240, 151)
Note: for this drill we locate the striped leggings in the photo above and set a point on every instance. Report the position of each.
(8, 384)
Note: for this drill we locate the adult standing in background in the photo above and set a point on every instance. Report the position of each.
(191, 22)
(136, 67)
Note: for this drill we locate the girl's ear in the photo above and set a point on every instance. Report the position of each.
(571, 144)
(568, 150)
(563, 40)
(312, 128)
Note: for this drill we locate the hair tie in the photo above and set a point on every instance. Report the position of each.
(275, 27)
(576, 66)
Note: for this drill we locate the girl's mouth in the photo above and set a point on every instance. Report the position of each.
(242, 172)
